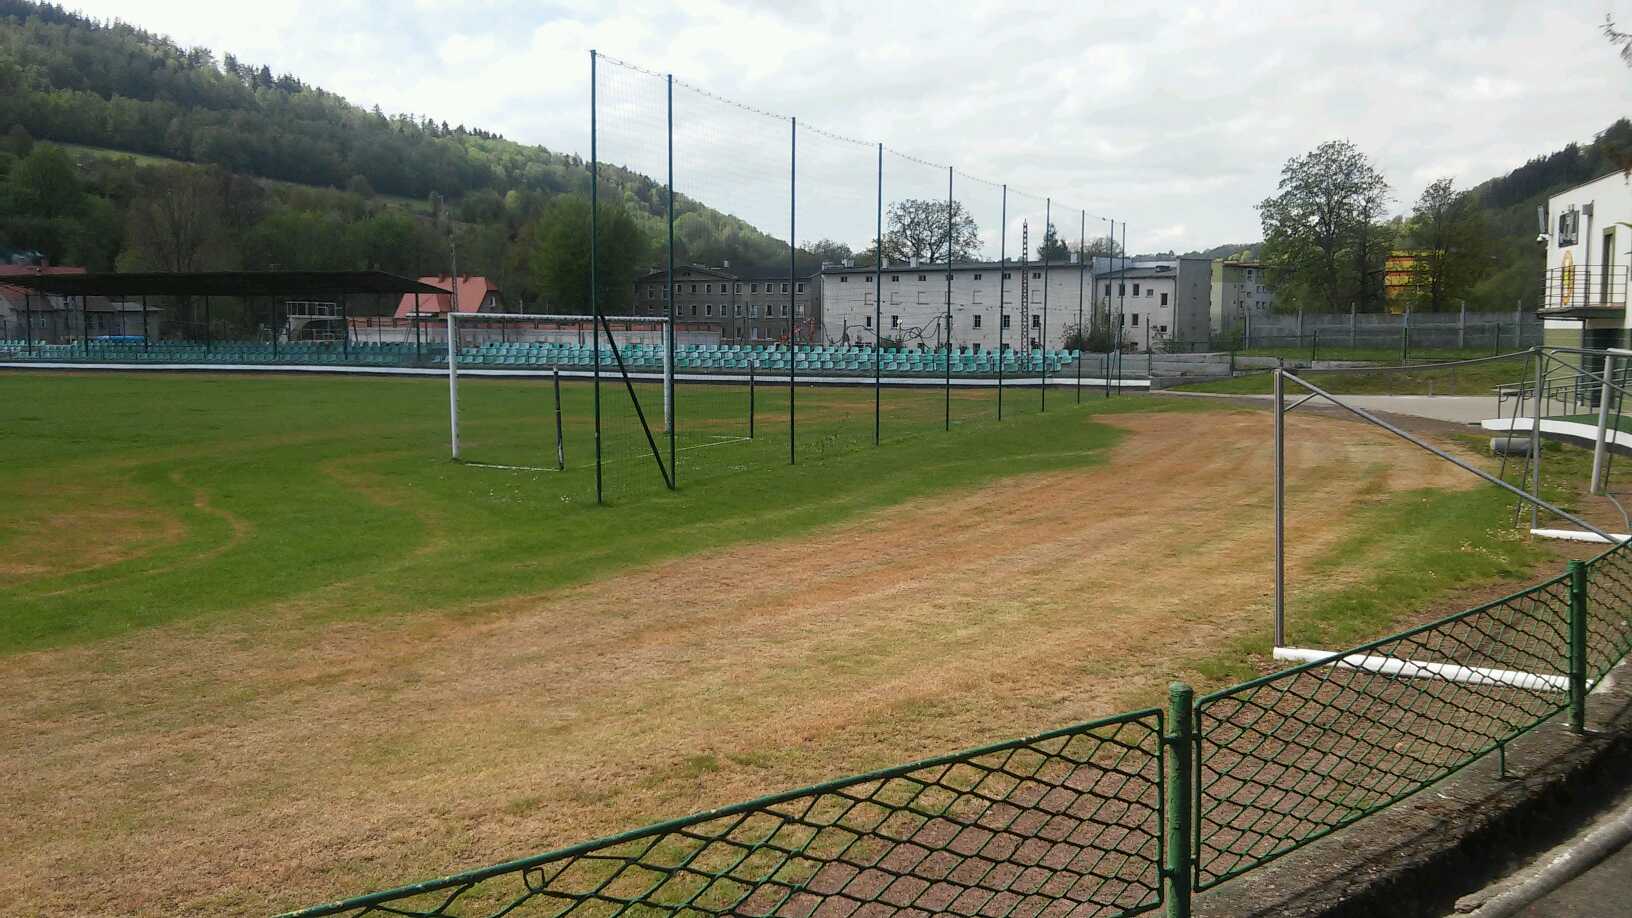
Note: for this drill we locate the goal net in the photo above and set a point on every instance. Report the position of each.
(561, 394)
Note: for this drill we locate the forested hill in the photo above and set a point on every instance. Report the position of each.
(69, 79)
(334, 185)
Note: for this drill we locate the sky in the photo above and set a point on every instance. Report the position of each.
(1172, 118)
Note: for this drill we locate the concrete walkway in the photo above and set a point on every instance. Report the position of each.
(1604, 890)
(1456, 409)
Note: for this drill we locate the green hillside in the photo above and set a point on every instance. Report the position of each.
(138, 117)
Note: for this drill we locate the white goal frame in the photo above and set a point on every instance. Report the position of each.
(453, 317)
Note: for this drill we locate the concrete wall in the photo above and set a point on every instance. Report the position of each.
(1471, 330)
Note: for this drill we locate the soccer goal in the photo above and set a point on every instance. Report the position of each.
(606, 403)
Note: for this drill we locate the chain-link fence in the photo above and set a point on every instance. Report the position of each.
(1107, 818)
(1294, 756)
(1065, 822)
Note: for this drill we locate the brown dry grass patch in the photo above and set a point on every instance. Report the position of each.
(268, 763)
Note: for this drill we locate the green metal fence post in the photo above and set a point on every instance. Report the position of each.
(1176, 872)
(1578, 646)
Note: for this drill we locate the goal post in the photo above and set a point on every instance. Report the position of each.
(624, 349)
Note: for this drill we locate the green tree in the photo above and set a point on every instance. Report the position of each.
(1451, 242)
(917, 228)
(44, 183)
(175, 224)
(1052, 247)
(1318, 227)
(559, 261)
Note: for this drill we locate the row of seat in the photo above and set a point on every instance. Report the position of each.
(812, 358)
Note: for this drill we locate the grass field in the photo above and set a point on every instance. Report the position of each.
(264, 645)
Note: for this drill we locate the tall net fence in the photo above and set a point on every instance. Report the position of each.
(837, 185)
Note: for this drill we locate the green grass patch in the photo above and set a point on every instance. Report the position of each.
(335, 496)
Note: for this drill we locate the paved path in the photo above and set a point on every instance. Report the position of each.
(1457, 409)
(1605, 890)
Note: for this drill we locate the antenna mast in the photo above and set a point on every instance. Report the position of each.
(1025, 291)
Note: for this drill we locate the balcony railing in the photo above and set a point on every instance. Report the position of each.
(1584, 290)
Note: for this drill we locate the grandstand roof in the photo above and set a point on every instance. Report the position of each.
(221, 283)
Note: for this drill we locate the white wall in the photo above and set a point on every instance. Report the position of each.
(918, 297)
(1611, 200)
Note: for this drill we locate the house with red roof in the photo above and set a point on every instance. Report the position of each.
(472, 293)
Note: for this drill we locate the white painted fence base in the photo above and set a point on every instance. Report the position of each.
(1576, 535)
(1450, 672)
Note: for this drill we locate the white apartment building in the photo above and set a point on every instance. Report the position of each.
(1155, 301)
(908, 304)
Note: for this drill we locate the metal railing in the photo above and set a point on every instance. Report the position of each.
(1584, 287)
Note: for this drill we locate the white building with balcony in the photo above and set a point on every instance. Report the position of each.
(1589, 249)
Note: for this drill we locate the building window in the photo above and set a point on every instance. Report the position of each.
(708, 288)
(895, 278)
(1136, 320)
(977, 277)
(799, 288)
(1164, 299)
(1163, 329)
(1005, 322)
(753, 288)
(867, 321)
(1136, 289)
(844, 278)
(923, 277)
(739, 288)
(1569, 227)
(977, 320)
(1149, 292)
(1122, 289)
(693, 288)
(754, 310)
(1036, 321)
(1007, 275)
(1036, 275)
(784, 288)
(694, 310)
(923, 298)
(1107, 288)
(895, 321)
(708, 310)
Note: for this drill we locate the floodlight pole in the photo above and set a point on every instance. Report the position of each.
(1082, 277)
(594, 231)
(453, 385)
(949, 226)
(793, 286)
(668, 334)
(1002, 274)
(1048, 224)
(878, 306)
(1280, 510)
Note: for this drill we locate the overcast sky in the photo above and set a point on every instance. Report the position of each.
(1176, 118)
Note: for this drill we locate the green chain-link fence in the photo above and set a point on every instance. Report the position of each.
(1299, 754)
(1072, 817)
(1107, 818)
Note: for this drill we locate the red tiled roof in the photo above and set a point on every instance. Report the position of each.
(473, 291)
(16, 293)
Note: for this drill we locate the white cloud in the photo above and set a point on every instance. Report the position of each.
(1176, 119)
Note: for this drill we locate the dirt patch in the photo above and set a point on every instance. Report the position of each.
(268, 764)
(90, 532)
